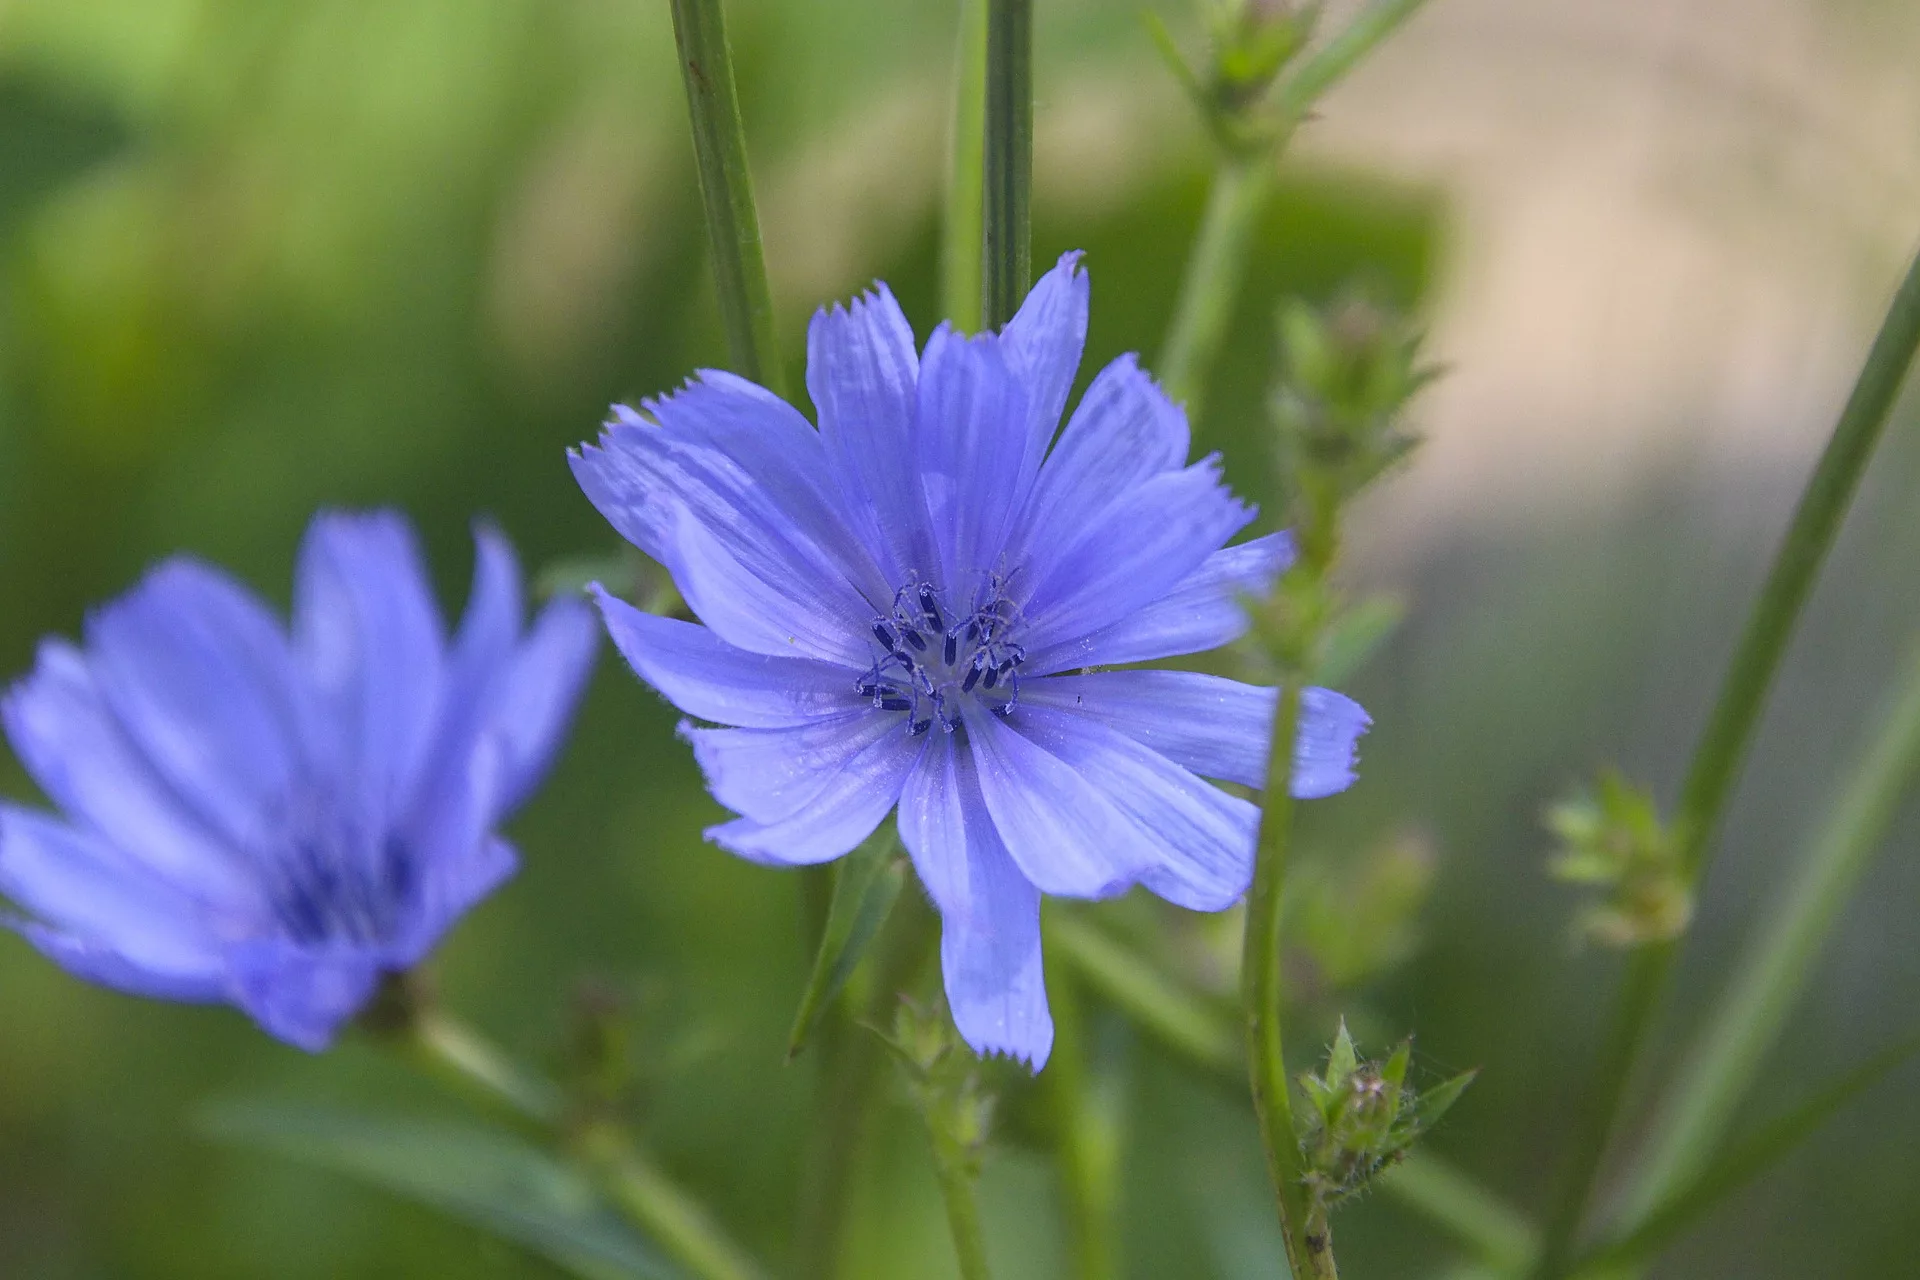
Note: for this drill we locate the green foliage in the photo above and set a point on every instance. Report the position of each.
(484, 1177)
(1612, 839)
(866, 884)
(1358, 920)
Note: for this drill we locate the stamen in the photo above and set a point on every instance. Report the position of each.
(973, 678)
(914, 638)
(952, 650)
(896, 704)
(884, 636)
(931, 607)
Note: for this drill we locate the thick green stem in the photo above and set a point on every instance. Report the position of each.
(962, 235)
(1008, 239)
(454, 1052)
(1723, 743)
(1086, 1119)
(1775, 971)
(726, 191)
(1215, 266)
(953, 1163)
(1309, 1250)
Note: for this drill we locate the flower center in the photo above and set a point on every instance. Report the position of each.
(933, 660)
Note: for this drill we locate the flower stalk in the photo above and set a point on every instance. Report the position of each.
(726, 192)
(1008, 164)
(1724, 742)
(963, 230)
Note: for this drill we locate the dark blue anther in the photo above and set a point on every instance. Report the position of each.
(973, 632)
(918, 727)
(973, 678)
(914, 638)
(883, 635)
(953, 647)
(896, 704)
(993, 677)
(931, 607)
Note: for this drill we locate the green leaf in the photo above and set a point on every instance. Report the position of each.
(1356, 635)
(1436, 1101)
(48, 136)
(1342, 1058)
(484, 1177)
(865, 887)
(1740, 1165)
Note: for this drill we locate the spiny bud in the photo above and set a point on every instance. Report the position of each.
(1612, 838)
(1365, 1118)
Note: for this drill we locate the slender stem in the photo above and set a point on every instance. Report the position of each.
(1212, 281)
(1341, 54)
(1723, 743)
(851, 1059)
(1497, 1232)
(1775, 970)
(962, 264)
(1008, 163)
(726, 191)
(1309, 1251)
(953, 1163)
(1085, 1118)
(455, 1052)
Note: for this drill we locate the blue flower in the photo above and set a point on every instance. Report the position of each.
(272, 819)
(914, 606)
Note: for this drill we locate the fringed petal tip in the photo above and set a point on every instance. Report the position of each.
(1326, 748)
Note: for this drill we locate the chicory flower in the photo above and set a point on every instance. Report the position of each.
(914, 606)
(271, 818)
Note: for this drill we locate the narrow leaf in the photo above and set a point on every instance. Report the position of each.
(483, 1177)
(865, 887)
(1342, 1058)
(1436, 1101)
(1741, 1165)
(1356, 635)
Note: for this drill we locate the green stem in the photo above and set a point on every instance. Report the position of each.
(962, 263)
(953, 1163)
(1340, 55)
(851, 1058)
(1309, 1251)
(455, 1052)
(1008, 160)
(1212, 281)
(1775, 971)
(1086, 1121)
(1723, 743)
(726, 191)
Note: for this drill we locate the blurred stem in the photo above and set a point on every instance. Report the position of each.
(962, 263)
(1086, 1125)
(953, 1163)
(1775, 970)
(1340, 55)
(451, 1051)
(1723, 743)
(726, 192)
(1309, 1247)
(851, 1058)
(1008, 160)
(1238, 197)
(1500, 1234)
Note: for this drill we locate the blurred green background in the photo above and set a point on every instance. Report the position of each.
(258, 257)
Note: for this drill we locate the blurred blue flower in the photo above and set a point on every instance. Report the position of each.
(895, 605)
(277, 820)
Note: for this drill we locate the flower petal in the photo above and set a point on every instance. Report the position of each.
(534, 706)
(972, 442)
(1123, 432)
(1213, 726)
(1063, 833)
(839, 816)
(770, 774)
(299, 995)
(1205, 836)
(368, 635)
(200, 676)
(100, 908)
(1134, 553)
(861, 375)
(103, 966)
(1203, 612)
(705, 676)
(989, 912)
(1043, 344)
(68, 739)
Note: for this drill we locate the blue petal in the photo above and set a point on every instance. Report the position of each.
(103, 966)
(451, 887)
(301, 995)
(102, 910)
(534, 707)
(839, 816)
(760, 510)
(972, 453)
(1043, 344)
(989, 912)
(369, 637)
(201, 677)
(1203, 612)
(706, 677)
(451, 861)
(861, 375)
(1123, 433)
(1132, 554)
(769, 774)
(70, 742)
(1205, 836)
(1063, 833)
(1213, 726)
